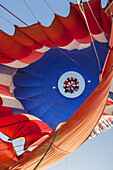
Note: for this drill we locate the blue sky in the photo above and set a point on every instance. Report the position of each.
(95, 154)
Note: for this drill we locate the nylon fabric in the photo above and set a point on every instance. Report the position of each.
(35, 83)
(61, 32)
(74, 132)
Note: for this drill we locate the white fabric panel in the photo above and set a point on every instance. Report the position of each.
(31, 117)
(43, 49)
(5, 79)
(12, 88)
(71, 46)
(100, 37)
(109, 110)
(4, 137)
(83, 46)
(17, 64)
(11, 102)
(95, 132)
(111, 87)
(105, 124)
(18, 145)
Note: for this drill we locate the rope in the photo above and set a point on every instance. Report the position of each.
(13, 15)
(110, 9)
(49, 42)
(83, 12)
(48, 148)
(49, 6)
(30, 10)
(7, 20)
(95, 18)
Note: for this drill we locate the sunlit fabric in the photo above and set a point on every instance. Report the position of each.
(54, 86)
(28, 43)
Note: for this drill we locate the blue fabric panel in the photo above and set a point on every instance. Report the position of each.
(36, 82)
(111, 95)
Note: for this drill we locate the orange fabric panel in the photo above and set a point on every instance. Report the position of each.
(37, 33)
(58, 33)
(22, 38)
(7, 154)
(73, 133)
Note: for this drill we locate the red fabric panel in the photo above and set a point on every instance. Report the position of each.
(102, 18)
(75, 25)
(95, 6)
(55, 34)
(12, 48)
(5, 59)
(38, 142)
(5, 111)
(14, 126)
(1, 101)
(34, 56)
(20, 126)
(106, 23)
(58, 33)
(37, 33)
(43, 126)
(30, 139)
(25, 40)
(61, 32)
(5, 90)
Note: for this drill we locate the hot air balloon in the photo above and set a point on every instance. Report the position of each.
(54, 85)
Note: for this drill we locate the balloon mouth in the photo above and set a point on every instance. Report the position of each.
(71, 84)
